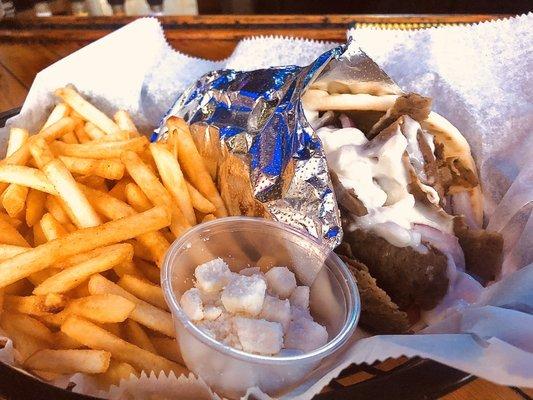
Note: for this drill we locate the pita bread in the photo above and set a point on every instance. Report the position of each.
(456, 150)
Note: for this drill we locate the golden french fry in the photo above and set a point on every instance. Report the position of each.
(108, 169)
(152, 272)
(81, 241)
(127, 268)
(136, 335)
(168, 348)
(61, 110)
(93, 181)
(154, 190)
(142, 252)
(40, 276)
(124, 122)
(25, 345)
(207, 141)
(116, 137)
(71, 277)
(34, 305)
(172, 177)
(193, 165)
(52, 229)
(144, 290)
(113, 208)
(41, 152)
(93, 131)
(26, 176)
(69, 361)
(119, 190)
(199, 202)
(136, 197)
(30, 326)
(9, 250)
(56, 207)
(63, 341)
(14, 222)
(38, 235)
(10, 235)
(100, 150)
(14, 199)
(95, 337)
(89, 112)
(103, 308)
(74, 199)
(81, 134)
(79, 291)
(209, 217)
(53, 132)
(35, 206)
(115, 373)
(17, 138)
(144, 313)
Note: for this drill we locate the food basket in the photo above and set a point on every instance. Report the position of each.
(403, 379)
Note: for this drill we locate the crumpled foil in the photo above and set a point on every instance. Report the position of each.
(260, 118)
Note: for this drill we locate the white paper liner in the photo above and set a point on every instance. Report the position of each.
(479, 78)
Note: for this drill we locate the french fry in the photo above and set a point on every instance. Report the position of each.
(93, 181)
(81, 134)
(25, 345)
(87, 110)
(136, 198)
(108, 169)
(56, 207)
(100, 150)
(63, 341)
(53, 132)
(52, 229)
(115, 373)
(113, 328)
(34, 305)
(61, 110)
(193, 165)
(97, 338)
(74, 199)
(35, 206)
(168, 348)
(209, 217)
(14, 199)
(127, 268)
(19, 288)
(14, 222)
(119, 190)
(93, 131)
(9, 250)
(207, 141)
(71, 277)
(69, 361)
(38, 235)
(113, 208)
(30, 326)
(154, 190)
(26, 176)
(152, 272)
(17, 138)
(116, 137)
(144, 313)
(144, 290)
(124, 122)
(172, 177)
(103, 308)
(199, 202)
(136, 335)
(10, 235)
(142, 252)
(40, 276)
(81, 241)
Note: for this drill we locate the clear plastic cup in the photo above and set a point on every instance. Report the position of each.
(244, 242)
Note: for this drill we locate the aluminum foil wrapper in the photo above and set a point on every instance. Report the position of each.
(260, 119)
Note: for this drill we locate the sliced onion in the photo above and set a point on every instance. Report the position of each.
(461, 205)
(446, 243)
(346, 122)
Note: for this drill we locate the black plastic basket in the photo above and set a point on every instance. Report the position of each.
(414, 379)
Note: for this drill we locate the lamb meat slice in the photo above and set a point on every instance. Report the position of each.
(409, 277)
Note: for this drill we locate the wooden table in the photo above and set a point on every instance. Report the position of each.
(29, 45)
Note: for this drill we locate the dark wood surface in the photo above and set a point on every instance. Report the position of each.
(29, 45)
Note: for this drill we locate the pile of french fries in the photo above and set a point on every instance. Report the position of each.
(88, 210)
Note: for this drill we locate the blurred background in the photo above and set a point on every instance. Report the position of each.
(317, 7)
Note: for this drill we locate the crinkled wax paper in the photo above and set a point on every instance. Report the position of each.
(479, 78)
